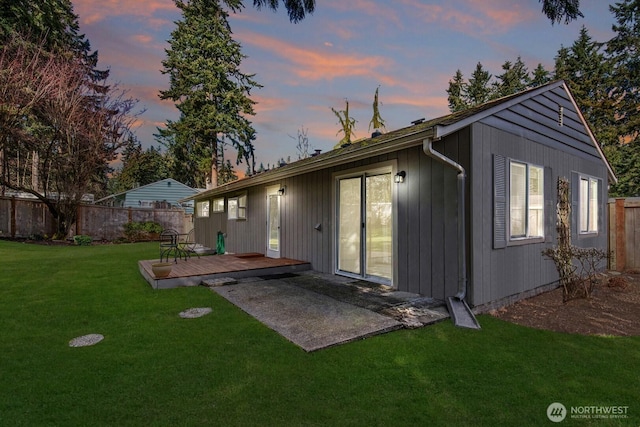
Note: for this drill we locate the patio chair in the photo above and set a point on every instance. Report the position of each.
(189, 245)
(169, 244)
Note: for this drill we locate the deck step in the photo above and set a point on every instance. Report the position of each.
(220, 281)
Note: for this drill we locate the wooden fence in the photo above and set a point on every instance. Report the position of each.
(26, 218)
(624, 233)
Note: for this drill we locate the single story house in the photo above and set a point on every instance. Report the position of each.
(461, 205)
(163, 194)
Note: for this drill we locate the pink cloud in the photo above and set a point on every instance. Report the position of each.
(383, 12)
(91, 11)
(267, 104)
(143, 38)
(473, 16)
(311, 64)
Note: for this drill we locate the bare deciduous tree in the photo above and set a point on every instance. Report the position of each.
(58, 127)
(302, 143)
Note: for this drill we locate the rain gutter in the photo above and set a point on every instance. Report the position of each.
(427, 147)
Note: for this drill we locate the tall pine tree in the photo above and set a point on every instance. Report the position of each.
(624, 56)
(515, 78)
(540, 76)
(584, 69)
(456, 93)
(623, 53)
(478, 91)
(209, 89)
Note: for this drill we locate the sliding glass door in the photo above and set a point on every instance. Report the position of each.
(365, 226)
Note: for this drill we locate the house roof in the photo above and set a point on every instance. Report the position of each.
(398, 139)
(153, 184)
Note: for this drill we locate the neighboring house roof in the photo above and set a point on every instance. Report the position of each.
(166, 189)
(403, 138)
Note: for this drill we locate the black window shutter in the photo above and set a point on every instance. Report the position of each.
(499, 201)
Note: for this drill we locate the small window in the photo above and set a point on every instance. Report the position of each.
(202, 209)
(237, 207)
(588, 205)
(218, 205)
(526, 200)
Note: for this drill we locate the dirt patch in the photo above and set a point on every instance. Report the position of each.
(614, 309)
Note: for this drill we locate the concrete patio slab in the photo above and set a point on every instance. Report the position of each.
(309, 319)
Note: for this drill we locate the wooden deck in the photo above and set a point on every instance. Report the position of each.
(193, 271)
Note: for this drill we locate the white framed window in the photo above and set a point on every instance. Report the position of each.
(202, 209)
(218, 205)
(526, 201)
(588, 205)
(237, 207)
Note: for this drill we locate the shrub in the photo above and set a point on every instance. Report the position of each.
(135, 231)
(578, 268)
(82, 240)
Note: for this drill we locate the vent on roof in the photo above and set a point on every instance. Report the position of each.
(417, 122)
(560, 115)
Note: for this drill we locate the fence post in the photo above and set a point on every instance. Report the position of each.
(620, 235)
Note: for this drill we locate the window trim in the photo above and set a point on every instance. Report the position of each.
(527, 238)
(590, 180)
(239, 211)
(199, 210)
(214, 205)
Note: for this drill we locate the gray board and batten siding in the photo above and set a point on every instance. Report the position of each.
(425, 259)
(529, 132)
(523, 128)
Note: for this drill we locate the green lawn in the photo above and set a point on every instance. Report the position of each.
(154, 368)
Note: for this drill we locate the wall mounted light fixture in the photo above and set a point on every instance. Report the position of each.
(282, 190)
(399, 177)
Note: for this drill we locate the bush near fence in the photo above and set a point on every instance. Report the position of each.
(29, 218)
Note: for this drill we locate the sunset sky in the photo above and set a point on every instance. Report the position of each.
(346, 49)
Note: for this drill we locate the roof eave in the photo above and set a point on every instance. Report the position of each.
(441, 131)
(394, 144)
(612, 174)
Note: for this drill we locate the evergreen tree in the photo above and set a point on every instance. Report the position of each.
(584, 69)
(478, 91)
(51, 24)
(540, 76)
(514, 79)
(139, 167)
(297, 9)
(560, 69)
(456, 91)
(559, 10)
(623, 55)
(208, 87)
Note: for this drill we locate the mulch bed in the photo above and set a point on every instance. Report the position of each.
(613, 309)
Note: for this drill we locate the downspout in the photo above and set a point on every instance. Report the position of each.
(427, 147)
